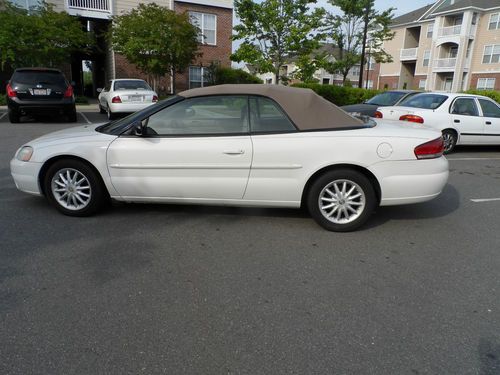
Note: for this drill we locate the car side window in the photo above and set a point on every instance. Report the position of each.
(465, 107)
(489, 108)
(210, 115)
(267, 117)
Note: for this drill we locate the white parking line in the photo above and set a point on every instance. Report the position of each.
(467, 159)
(485, 200)
(85, 118)
(2, 115)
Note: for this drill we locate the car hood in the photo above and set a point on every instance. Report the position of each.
(78, 134)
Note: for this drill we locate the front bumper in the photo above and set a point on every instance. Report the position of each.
(25, 175)
(128, 107)
(411, 181)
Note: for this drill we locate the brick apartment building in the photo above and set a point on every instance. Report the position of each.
(214, 17)
(450, 45)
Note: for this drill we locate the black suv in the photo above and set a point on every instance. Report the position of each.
(38, 91)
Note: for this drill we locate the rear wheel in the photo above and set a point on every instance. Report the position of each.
(111, 115)
(14, 117)
(450, 140)
(341, 200)
(101, 110)
(74, 188)
(72, 117)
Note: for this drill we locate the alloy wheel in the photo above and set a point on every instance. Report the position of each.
(71, 189)
(342, 201)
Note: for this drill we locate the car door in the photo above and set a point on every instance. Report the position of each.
(198, 148)
(491, 117)
(465, 118)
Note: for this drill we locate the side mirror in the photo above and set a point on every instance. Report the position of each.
(138, 129)
(99, 90)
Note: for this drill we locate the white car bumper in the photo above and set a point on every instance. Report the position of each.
(412, 181)
(25, 175)
(128, 107)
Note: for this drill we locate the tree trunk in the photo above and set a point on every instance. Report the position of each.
(363, 46)
(173, 82)
(277, 76)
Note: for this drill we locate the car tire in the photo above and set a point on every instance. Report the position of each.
(111, 115)
(341, 200)
(450, 140)
(72, 117)
(101, 110)
(14, 117)
(74, 188)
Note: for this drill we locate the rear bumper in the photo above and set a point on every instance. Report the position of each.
(411, 181)
(65, 105)
(128, 107)
(25, 175)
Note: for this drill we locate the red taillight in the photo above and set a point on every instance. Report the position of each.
(116, 99)
(430, 150)
(412, 118)
(378, 114)
(11, 93)
(69, 92)
(155, 98)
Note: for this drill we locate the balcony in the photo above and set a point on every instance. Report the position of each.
(450, 31)
(445, 65)
(408, 54)
(90, 8)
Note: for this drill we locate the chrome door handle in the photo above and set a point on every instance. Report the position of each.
(234, 152)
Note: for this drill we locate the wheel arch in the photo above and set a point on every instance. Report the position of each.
(49, 162)
(366, 172)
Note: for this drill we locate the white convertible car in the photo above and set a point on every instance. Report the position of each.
(242, 145)
(463, 119)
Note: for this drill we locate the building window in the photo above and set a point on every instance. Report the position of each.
(208, 27)
(197, 77)
(370, 64)
(369, 84)
(269, 81)
(427, 57)
(491, 54)
(354, 71)
(326, 81)
(422, 83)
(430, 30)
(485, 84)
(494, 21)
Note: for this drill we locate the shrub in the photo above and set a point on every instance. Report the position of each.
(340, 95)
(81, 100)
(495, 95)
(221, 75)
(3, 100)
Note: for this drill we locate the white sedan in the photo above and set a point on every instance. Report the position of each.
(242, 145)
(463, 119)
(125, 96)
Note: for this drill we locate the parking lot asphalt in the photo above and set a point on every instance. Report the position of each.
(170, 289)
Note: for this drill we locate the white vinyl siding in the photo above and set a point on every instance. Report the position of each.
(485, 84)
(208, 27)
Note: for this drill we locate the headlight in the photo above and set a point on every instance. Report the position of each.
(24, 154)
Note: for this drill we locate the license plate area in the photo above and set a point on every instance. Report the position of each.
(40, 92)
(135, 98)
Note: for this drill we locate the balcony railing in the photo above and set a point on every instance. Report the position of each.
(445, 63)
(90, 5)
(450, 30)
(408, 54)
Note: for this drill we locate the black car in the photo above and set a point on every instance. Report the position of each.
(40, 91)
(387, 98)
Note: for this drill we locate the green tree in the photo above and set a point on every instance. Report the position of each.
(40, 37)
(350, 30)
(275, 31)
(156, 39)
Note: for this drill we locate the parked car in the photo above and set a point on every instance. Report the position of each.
(242, 145)
(39, 91)
(125, 96)
(463, 119)
(386, 98)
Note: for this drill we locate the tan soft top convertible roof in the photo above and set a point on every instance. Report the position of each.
(306, 109)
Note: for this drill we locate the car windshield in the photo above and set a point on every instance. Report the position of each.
(425, 101)
(386, 98)
(119, 126)
(33, 77)
(131, 85)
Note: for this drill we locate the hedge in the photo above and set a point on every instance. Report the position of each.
(495, 95)
(3, 100)
(340, 95)
(223, 75)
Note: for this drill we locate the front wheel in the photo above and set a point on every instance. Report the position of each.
(450, 140)
(341, 200)
(74, 188)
